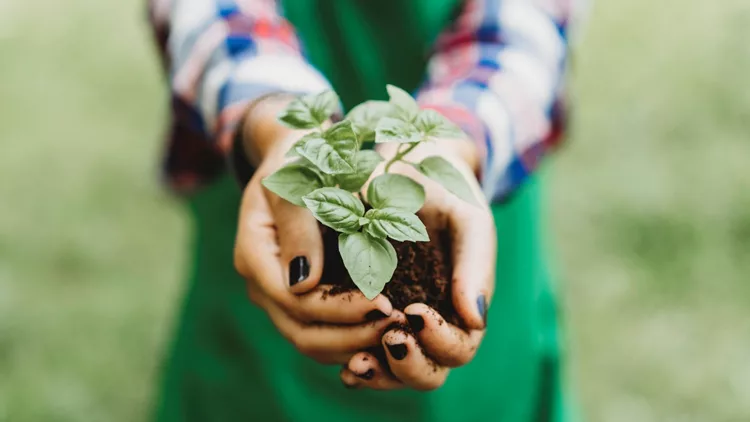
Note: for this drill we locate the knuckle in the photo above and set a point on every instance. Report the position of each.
(433, 383)
(303, 344)
(324, 359)
(303, 315)
(288, 303)
(254, 296)
(430, 386)
(460, 358)
(240, 264)
(299, 312)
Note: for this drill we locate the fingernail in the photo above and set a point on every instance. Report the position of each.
(374, 315)
(299, 269)
(398, 351)
(368, 375)
(416, 322)
(482, 308)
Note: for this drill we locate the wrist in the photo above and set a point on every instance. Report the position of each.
(262, 136)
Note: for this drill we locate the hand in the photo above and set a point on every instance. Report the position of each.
(443, 345)
(279, 251)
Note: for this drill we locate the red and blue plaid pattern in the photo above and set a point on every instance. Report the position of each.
(497, 71)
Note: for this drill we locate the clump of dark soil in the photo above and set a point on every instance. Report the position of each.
(423, 274)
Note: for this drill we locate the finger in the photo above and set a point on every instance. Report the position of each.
(321, 306)
(331, 358)
(349, 379)
(474, 254)
(300, 244)
(364, 370)
(317, 339)
(447, 344)
(409, 364)
(257, 251)
(350, 307)
(256, 248)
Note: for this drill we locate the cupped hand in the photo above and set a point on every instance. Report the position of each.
(279, 251)
(420, 358)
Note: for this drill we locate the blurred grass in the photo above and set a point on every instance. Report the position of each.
(650, 205)
(90, 247)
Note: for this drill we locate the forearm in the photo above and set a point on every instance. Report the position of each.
(222, 57)
(498, 73)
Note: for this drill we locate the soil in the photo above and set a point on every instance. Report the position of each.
(423, 274)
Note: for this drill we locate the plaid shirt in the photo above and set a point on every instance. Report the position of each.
(498, 72)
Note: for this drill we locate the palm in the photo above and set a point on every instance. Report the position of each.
(429, 353)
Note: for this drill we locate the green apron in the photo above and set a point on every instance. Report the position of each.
(228, 363)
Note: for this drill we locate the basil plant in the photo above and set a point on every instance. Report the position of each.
(330, 168)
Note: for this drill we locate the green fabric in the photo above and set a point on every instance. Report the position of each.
(228, 363)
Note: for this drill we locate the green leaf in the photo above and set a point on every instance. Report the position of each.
(375, 230)
(443, 172)
(434, 125)
(310, 111)
(335, 208)
(292, 182)
(365, 118)
(327, 180)
(365, 163)
(395, 191)
(407, 106)
(342, 131)
(370, 261)
(292, 153)
(398, 224)
(333, 151)
(390, 129)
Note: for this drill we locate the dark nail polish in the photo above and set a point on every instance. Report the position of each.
(368, 375)
(398, 351)
(416, 322)
(482, 308)
(374, 315)
(299, 269)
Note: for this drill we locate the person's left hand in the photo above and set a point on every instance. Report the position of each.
(423, 359)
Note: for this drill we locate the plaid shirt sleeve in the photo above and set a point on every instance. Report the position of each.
(498, 72)
(220, 55)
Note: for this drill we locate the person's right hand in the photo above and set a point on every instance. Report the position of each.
(279, 251)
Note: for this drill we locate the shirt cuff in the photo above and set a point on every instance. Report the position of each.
(253, 79)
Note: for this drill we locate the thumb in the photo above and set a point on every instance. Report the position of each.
(474, 255)
(300, 245)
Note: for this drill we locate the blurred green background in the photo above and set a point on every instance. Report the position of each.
(649, 205)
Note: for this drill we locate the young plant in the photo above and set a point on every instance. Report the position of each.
(330, 168)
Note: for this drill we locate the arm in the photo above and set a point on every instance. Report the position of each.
(222, 55)
(224, 58)
(498, 72)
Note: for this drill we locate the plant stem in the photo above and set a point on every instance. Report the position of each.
(400, 154)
